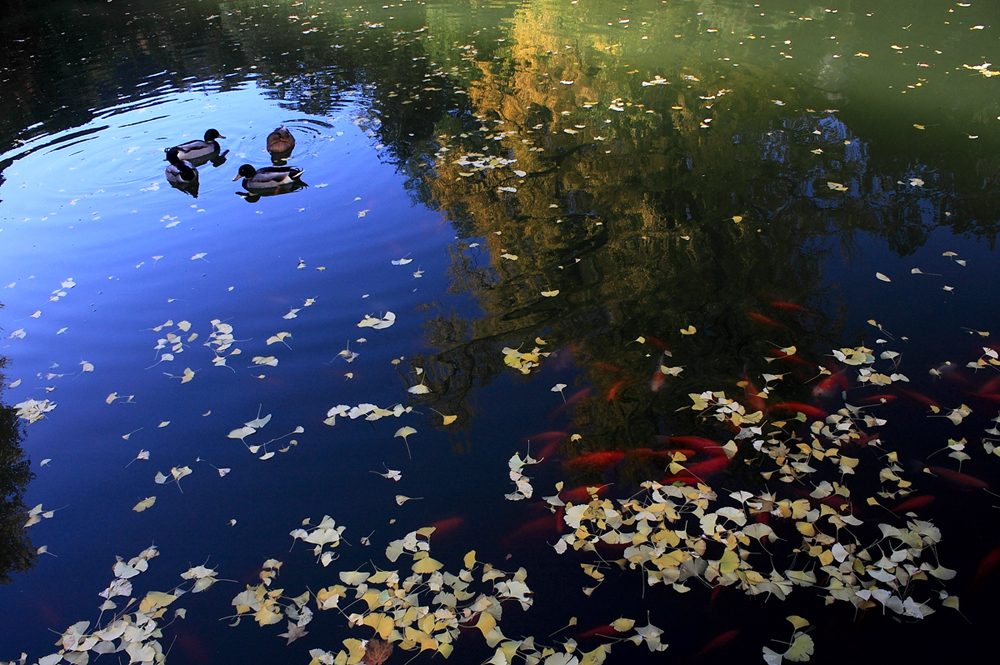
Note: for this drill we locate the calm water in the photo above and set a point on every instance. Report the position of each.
(689, 186)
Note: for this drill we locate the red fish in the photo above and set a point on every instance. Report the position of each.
(699, 443)
(659, 378)
(792, 358)
(697, 472)
(989, 397)
(757, 317)
(615, 389)
(606, 367)
(991, 386)
(600, 631)
(959, 479)
(540, 529)
(866, 437)
(444, 527)
(661, 454)
(988, 563)
(550, 442)
(914, 502)
(788, 306)
(599, 461)
(920, 399)
(658, 344)
(720, 641)
(829, 386)
(793, 407)
(580, 494)
(835, 501)
(570, 401)
(882, 398)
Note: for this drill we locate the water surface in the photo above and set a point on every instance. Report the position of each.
(662, 199)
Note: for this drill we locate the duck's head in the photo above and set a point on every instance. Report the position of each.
(213, 134)
(246, 171)
(172, 157)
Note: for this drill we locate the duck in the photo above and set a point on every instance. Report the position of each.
(198, 149)
(280, 141)
(180, 172)
(269, 176)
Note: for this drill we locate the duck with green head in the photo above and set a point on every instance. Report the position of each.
(197, 150)
(269, 177)
(181, 173)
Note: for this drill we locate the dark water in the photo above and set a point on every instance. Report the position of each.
(586, 178)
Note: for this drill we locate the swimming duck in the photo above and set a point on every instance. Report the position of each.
(198, 149)
(268, 177)
(280, 141)
(180, 172)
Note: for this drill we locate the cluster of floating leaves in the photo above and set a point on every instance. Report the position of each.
(525, 361)
(420, 610)
(523, 490)
(134, 634)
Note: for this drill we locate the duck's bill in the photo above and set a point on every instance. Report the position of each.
(238, 176)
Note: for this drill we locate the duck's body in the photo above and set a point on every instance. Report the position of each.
(181, 173)
(269, 177)
(280, 142)
(193, 150)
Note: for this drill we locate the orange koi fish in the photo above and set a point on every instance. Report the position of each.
(697, 472)
(699, 443)
(959, 479)
(570, 401)
(987, 565)
(914, 502)
(446, 526)
(598, 461)
(788, 306)
(882, 398)
(580, 494)
(920, 399)
(719, 641)
(757, 317)
(615, 389)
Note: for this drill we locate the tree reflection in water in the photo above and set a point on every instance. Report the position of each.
(16, 553)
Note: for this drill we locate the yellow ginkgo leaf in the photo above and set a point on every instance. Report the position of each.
(690, 330)
(550, 294)
(623, 624)
(155, 600)
(486, 623)
(802, 648)
(797, 621)
(144, 504)
(428, 565)
(448, 419)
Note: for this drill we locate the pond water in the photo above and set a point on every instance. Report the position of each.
(729, 264)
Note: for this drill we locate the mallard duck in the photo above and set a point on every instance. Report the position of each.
(268, 177)
(280, 141)
(198, 149)
(180, 172)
